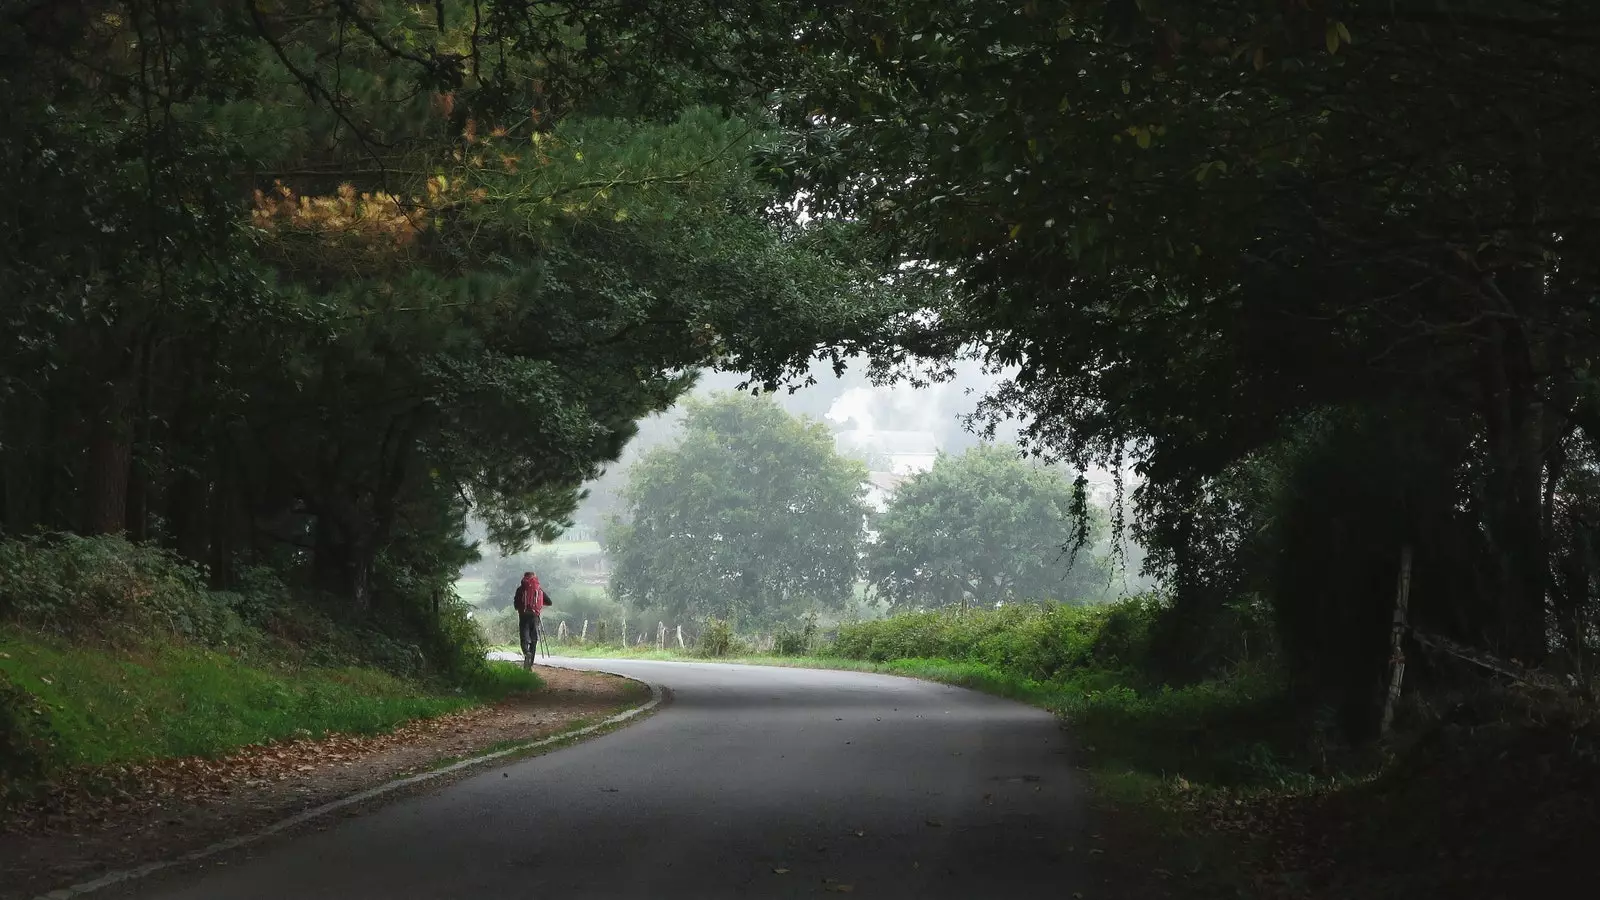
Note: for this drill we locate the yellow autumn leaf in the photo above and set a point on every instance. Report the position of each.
(877, 41)
(1344, 33)
(1015, 230)
(1143, 139)
(1260, 59)
(1332, 37)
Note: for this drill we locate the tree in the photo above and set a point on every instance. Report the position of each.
(321, 277)
(750, 516)
(1208, 232)
(983, 527)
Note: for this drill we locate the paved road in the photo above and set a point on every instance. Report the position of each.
(892, 787)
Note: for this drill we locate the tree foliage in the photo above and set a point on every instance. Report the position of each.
(982, 528)
(1202, 231)
(751, 516)
(298, 284)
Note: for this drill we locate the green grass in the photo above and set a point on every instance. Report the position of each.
(161, 700)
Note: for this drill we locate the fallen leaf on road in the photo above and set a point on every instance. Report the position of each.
(839, 888)
(859, 833)
(780, 871)
(934, 823)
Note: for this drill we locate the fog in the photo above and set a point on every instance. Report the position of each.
(932, 417)
(850, 401)
(846, 402)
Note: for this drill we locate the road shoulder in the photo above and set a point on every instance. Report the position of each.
(172, 808)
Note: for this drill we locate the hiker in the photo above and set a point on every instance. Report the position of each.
(529, 602)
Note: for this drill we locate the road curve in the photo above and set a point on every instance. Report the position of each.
(753, 782)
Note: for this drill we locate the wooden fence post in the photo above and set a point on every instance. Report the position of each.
(680, 637)
(1397, 654)
(661, 635)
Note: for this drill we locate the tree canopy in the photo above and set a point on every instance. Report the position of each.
(984, 527)
(298, 284)
(751, 516)
(1207, 233)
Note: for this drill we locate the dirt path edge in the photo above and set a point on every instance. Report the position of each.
(658, 695)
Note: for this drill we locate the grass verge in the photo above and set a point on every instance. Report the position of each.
(86, 706)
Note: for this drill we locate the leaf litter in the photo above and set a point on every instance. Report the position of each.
(119, 815)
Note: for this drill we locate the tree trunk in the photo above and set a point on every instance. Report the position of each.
(188, 511)
(358, 584)
(328, 555)
(1514, 507)
(141, 468)
(110, 458)
(1397, 656)
(222, 515)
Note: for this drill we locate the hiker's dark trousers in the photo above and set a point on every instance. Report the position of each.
(528, 624)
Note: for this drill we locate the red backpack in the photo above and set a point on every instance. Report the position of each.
(529, 586)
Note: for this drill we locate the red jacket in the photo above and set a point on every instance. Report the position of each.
(530, 587)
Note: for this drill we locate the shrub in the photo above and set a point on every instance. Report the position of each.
(1043, 643)
(105, 587)
(499, 627)
(787, 641)
(719, 641)
(109, 590)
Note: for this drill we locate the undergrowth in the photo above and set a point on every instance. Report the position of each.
(112, 652)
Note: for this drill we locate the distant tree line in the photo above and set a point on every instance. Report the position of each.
(752, 516)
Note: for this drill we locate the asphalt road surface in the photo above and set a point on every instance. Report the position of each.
(752, 782)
